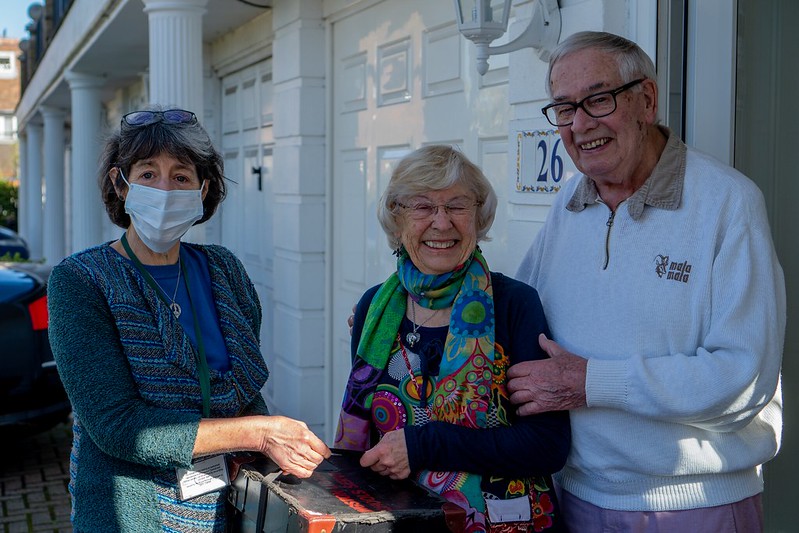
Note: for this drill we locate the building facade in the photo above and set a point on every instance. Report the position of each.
(9, 96)
(312, 102)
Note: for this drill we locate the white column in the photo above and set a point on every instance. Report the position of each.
(176, 52)
(54, 146)
(33, 208)
(22, 192)
(176, 62)
(87, 206)
(299, 196)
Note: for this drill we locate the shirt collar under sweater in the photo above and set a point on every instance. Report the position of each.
(663, 188)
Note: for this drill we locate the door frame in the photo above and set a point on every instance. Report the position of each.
(710, 78)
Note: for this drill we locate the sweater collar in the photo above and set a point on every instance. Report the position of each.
(663, 188)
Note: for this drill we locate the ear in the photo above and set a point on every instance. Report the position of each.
(113, 175)
(650, 95)
(204, 188)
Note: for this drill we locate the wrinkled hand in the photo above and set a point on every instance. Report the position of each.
(389, 457)
(293, 446)
(553, 384)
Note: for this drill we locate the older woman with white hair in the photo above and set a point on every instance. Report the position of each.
(426, 397)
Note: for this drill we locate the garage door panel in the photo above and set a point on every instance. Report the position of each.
(230, 107)
(351, 83)
(231, 216)
(267, 98)
(394, 72)
(441, 61)
(253, 191)
(493, 160)
(250, 112)
(379, 257)
(267, 223)
(352, 221)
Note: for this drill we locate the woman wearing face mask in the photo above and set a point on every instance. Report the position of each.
(157, 343)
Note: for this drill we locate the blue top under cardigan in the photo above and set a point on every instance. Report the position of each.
(170, 279)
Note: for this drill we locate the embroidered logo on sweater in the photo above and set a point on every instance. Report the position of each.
(672, 269)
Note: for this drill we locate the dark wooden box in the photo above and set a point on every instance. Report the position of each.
(340, 496)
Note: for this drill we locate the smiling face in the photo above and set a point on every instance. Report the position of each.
(610, 149)
(440, 243)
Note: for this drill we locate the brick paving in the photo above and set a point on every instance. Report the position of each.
(34, 473)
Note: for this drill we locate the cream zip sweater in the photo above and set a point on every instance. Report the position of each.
(678, 302)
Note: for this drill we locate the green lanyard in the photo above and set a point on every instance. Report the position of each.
(202, 362)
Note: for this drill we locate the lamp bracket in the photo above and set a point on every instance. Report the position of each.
(542, 34)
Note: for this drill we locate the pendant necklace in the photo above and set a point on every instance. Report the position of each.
(413, 336)
(419, 386)
(174, 305)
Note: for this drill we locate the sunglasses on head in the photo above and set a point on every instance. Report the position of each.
(170, 116)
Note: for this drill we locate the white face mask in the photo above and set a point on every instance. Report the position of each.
(161, 217)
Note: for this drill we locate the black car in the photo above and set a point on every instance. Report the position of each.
(31, 394)
(12, 246)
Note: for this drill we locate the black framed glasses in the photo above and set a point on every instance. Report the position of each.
(170, 116)
(596, 105)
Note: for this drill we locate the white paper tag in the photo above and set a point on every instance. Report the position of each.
(207, 475)
(512, 510)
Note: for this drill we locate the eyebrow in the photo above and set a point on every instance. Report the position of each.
(592, 89)
(150, 163)
(428, 199)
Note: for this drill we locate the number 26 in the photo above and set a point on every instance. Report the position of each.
(555, 162)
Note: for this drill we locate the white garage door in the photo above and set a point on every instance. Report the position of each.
(403, 77)
(247, 145)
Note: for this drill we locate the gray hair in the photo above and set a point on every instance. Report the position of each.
(633, 62)
(433, 168)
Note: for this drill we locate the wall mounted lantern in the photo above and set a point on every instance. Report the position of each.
(482, 21)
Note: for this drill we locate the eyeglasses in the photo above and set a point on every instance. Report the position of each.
(170, 116)
(427, 210)
(597, 105)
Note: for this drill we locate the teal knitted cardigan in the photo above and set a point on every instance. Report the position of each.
(130, 373)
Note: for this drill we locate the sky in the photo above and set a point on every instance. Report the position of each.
(14, 17)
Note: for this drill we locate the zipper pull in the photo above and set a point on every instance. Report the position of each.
(609, 224)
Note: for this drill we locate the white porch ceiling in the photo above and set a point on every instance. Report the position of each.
(117, 49)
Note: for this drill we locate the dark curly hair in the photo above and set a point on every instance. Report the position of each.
(188, 143)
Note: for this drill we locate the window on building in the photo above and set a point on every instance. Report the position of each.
(8, 65)
(8, 129)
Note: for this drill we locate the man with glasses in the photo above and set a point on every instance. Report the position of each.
(666, 304)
